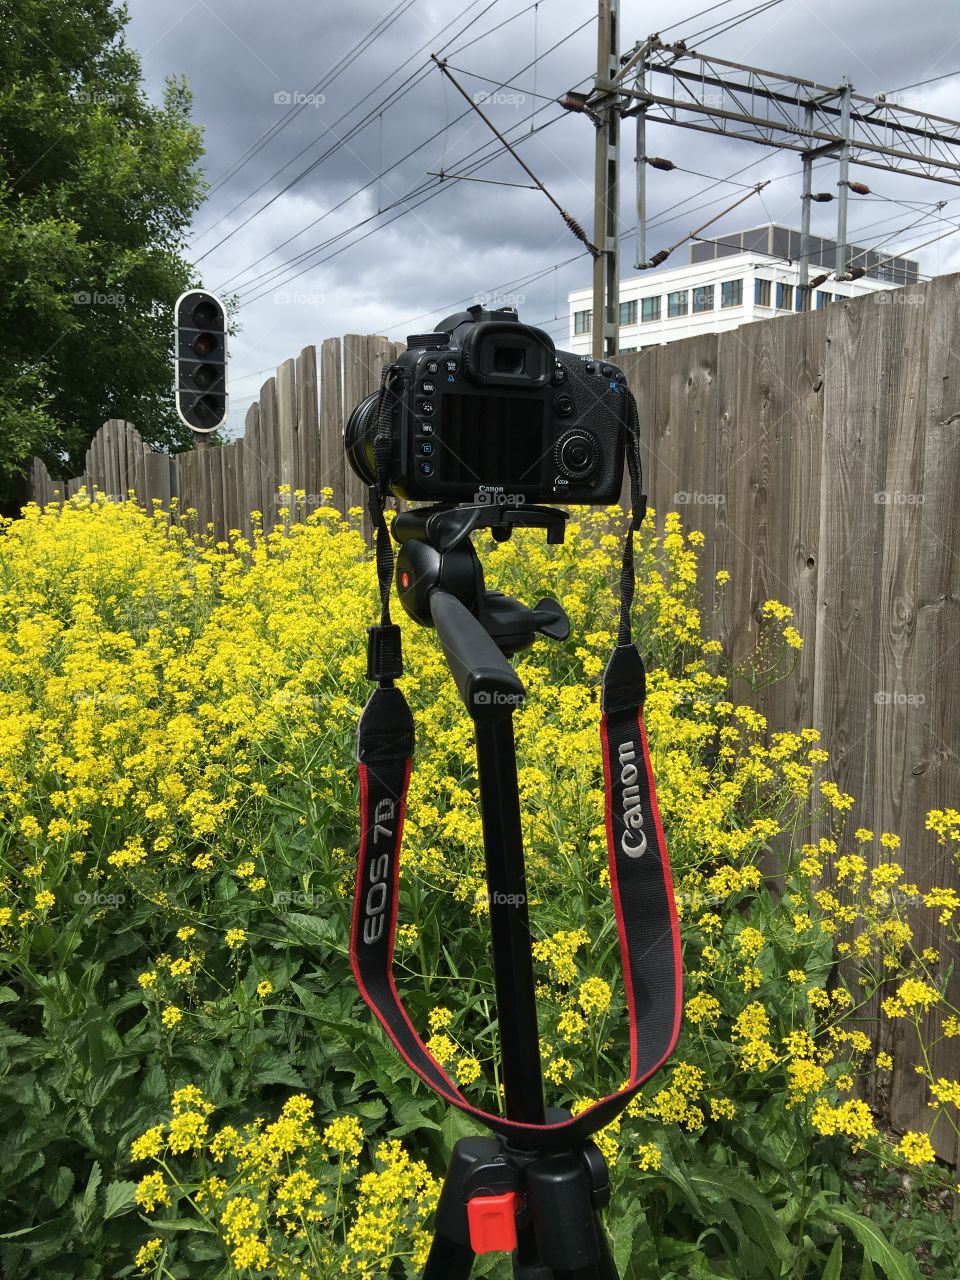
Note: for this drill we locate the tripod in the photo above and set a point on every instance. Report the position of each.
(542, 1206)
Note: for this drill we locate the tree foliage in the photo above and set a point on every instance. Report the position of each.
(97, 189)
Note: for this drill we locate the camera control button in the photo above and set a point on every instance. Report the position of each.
(426, 468)
(450, 366)
(426, 408)
(427, 388)
(426, 446)
(432, 366)
(607, 370)
(426, 428)
(589, 367)
(559, 376)
(564, 405)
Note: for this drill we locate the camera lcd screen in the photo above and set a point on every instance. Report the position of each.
(491, 439)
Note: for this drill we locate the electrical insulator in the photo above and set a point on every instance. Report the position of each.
(859, 188)
(658, 162)
(574, 101)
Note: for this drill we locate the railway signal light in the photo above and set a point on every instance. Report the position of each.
(200, 360)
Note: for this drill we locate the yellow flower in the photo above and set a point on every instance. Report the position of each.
(171, 1015)
(264, 988)
(235, 938)
(344, 1137)
(916, 1148)
(149, 1253)
(468, 1070)
(148, 1145)
(44, 899)
(594, 997)
(151, 1191)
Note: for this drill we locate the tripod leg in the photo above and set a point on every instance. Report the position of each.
(451, 1255)
(571, 1242)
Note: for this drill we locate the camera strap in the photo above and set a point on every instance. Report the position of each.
(641, 887)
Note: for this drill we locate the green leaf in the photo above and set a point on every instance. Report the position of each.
(61, 1186)
(876, 1248)
(832, 1270)
(118, 1199)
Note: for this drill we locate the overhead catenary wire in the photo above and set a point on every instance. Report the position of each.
(390, 98)
(330, 75)
(480, 161)
(413, 151)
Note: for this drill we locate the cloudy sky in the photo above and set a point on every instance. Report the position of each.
(325, 123)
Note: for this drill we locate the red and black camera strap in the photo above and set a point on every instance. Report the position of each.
(641, 888)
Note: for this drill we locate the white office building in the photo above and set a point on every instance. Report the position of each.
(731, 280)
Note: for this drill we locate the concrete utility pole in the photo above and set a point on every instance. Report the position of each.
(605, 101)
(846, 89)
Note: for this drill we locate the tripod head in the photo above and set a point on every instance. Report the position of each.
(440, 583)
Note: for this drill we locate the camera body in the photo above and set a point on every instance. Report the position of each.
(487, 411)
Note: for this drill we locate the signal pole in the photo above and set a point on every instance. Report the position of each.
(605, 102)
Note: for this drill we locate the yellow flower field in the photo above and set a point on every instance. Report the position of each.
(189, 1082)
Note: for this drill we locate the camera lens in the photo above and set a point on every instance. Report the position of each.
(576, 455)
(358, 438)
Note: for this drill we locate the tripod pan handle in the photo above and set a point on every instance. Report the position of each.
(487, 683)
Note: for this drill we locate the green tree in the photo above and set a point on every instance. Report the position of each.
(97, 189)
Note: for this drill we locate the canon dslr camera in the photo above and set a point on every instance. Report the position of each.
(486, 410)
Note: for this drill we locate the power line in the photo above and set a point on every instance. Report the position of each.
(933, 79)
(380, 176)
(308, 252)
(428, 194)
(719, 29)
(330, 75)
(394, 96)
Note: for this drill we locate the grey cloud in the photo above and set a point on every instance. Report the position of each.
(474, 236)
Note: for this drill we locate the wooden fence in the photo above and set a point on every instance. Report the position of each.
(293, 436)
(818, 453)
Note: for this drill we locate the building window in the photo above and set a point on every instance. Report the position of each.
(650, 309)
(703, 299)
(628, 312)
(804, 297)
(823, 299)
(731, 293)
(678, 304)
(761, 292)
(785, 297)
(582, 321)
